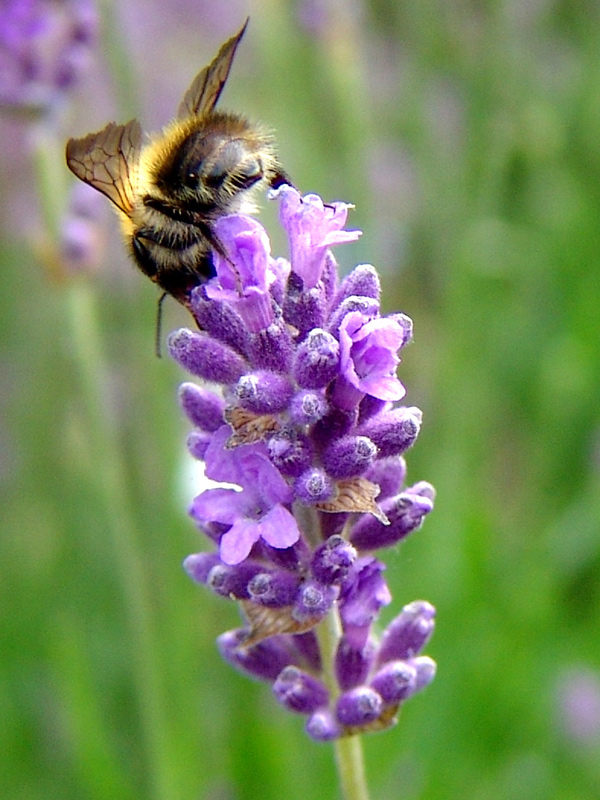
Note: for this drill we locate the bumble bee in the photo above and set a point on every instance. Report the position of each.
(169, 192)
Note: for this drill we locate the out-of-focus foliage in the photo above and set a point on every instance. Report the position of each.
(468, 137)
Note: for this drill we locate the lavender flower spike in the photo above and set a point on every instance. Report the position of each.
(298, 420)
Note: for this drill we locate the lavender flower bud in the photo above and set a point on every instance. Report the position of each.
(290, 452)
(393, 431)
(370, 406)
(368, 306)
(213, 530)
(280, 271)
(332, 560)
(264, 392)
(408, 633)
(307, 408)
(407, 325)
(322, 726)
(334, 425)
(363, 281)
(329, 277)
(264, 660)
(274, 589)
(352, 664)
(361, 598)
(272, 348)
(197, 444)
(395, 682)
(303, 309)
(199, 565)
(426, 670)
(317, 360)
(228, 581)
(306, 646)
(203, 408)
(349, 457)
(314, 486)
(219, 320)
(224, 580)
(405, 514)
(423, 489)
(205, 357)
(314, 601)
(388, 474)
(300, 692)
(290, 558)
(359, 706)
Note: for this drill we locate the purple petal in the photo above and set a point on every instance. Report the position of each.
(236, 544)
(217, 505)
(368, 354)
(279, 528)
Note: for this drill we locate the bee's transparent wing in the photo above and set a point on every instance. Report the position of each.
(108, 161)
(208, 84)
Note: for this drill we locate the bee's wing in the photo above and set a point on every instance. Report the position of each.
(208, 84)
(108, 161)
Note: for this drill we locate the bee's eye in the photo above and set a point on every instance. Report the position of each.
(249, 173)
(216, 176)
(191, 179)
(252, 172)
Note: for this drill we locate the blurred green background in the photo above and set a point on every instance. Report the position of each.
(468, 137)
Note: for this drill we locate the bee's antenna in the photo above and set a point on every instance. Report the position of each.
(158, 332)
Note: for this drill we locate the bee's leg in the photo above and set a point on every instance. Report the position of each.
(216, 244)
(280, 178)
(158, 331)
(211, 237)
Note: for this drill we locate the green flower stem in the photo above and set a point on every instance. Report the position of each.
(118, 56)
(112, 480)
(351, 768)
(51, 174)
(348, 750)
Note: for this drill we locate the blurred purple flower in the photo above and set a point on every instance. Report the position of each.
(579, 704)
(82, 233)
(45, 45)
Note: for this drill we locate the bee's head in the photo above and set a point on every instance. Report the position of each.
(213, 165)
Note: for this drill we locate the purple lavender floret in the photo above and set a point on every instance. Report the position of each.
(298, 420)
(300, 692)
(359, 707)
(264, 661)
(408, 633)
